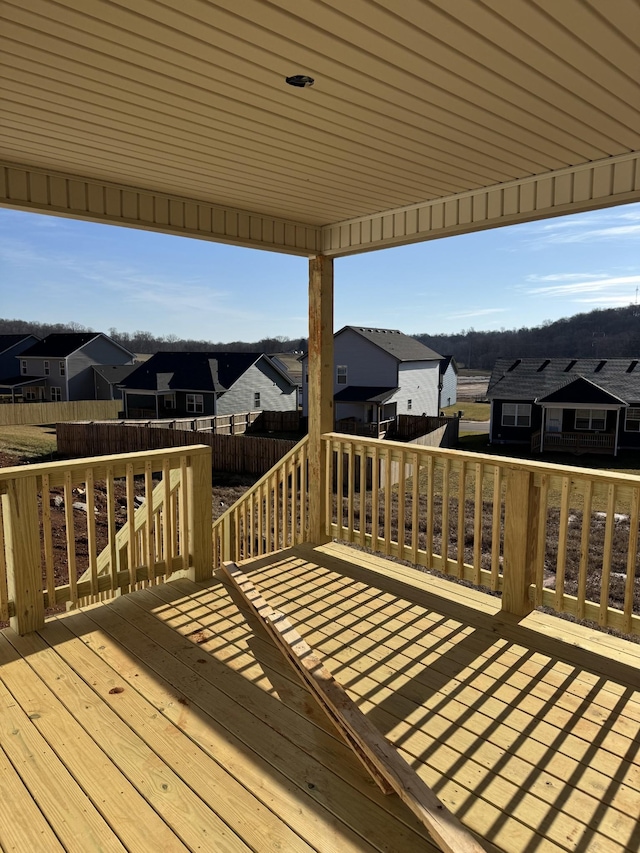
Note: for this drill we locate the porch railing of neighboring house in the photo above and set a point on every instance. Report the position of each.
(542, 535)
(129, 520)
(575, 442)
(352, 426)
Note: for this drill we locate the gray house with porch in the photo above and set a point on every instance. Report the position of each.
(378, 375)
(585, 405)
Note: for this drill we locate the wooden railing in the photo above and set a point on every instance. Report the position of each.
(143, 516)
(272, 515)
(575, 442)
(544, 535)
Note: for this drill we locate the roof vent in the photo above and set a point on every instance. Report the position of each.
(632, 366)
(600, 366)
(571, 365)
(543, 365)
(514, 365)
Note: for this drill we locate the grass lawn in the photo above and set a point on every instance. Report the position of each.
(472, 411)
(33, 443)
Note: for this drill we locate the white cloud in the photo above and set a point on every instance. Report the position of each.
(567, 276)
(627, 282)
(479, 312)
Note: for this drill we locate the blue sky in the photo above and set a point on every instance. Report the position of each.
(61, 270)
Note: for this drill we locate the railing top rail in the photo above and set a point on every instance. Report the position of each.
(506, 463)
(116, 461)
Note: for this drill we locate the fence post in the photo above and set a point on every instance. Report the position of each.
(521, 520)
(199, 491)
(22, 542)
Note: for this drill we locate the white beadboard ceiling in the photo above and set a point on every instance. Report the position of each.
(414, 100)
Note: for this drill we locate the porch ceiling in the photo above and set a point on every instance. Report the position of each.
(426, 118)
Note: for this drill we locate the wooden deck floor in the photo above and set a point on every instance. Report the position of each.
(166, 720)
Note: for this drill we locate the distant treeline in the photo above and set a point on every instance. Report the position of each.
(603, 333)
(145, 342)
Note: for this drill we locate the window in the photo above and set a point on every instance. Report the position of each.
(195, 403)
(632, 420)
(591, 418)
(409, 405)
(30, 394)
(56, 395)
(169, 401)
(63, 367)
(256, 400)
(47, 369)
(23, 368)
(341, 374)
(516, 414)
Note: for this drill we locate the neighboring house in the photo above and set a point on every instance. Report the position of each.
(379, 374)
(60, 366)
(586, 405)
(108, 378)
(11, 346)
(181, 384)
(448, 382)
(290, 363)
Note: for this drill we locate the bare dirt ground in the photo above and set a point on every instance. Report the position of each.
(471, 388)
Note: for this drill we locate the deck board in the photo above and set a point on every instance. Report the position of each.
(529, 731)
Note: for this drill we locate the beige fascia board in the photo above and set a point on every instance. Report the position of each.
(41, 191)
(600, 184)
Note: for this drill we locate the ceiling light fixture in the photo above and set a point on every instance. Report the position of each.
(300, 81)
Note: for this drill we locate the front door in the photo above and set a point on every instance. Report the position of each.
(554, 420)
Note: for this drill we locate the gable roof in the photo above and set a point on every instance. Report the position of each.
(402, 347)
(445, 362)
(538, 378)
(62, 344)
(8, 341)
(207, 372)
(581, 391)
(114, 373)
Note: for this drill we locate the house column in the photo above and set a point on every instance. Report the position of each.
(320, 388)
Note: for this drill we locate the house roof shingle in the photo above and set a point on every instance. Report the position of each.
(537, 378)
(62, 344)
(396, 343)
(8, 341)
(114, 373)
(364, 394)
(190, 371)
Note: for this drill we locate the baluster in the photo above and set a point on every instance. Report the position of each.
(430, 509)
(562, 544)
(462, 486)
(478, 507)
(584, 549)
(148, 538)
(47, 539)
(632, 559)
(415, 508)
(607, 556)
(92, 544)
(444, 550)
(71, 538)
(495, 529)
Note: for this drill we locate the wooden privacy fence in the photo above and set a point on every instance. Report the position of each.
(22, 414)
(544, 535)
(128, 520)
(233, 453)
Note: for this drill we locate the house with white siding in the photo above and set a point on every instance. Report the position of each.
(180, 384)
(448, 382)
(379, 374)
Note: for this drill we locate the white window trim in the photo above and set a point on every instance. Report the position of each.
(520, 410)
(341, 374)
(635, 419)
(602, 416)
(195, 404)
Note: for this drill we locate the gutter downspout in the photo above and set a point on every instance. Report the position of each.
(615, 446)
(544, 418)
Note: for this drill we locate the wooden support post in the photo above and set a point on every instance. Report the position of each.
(520, 541)
(22, 542)
(320, 388)
(199, 512)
